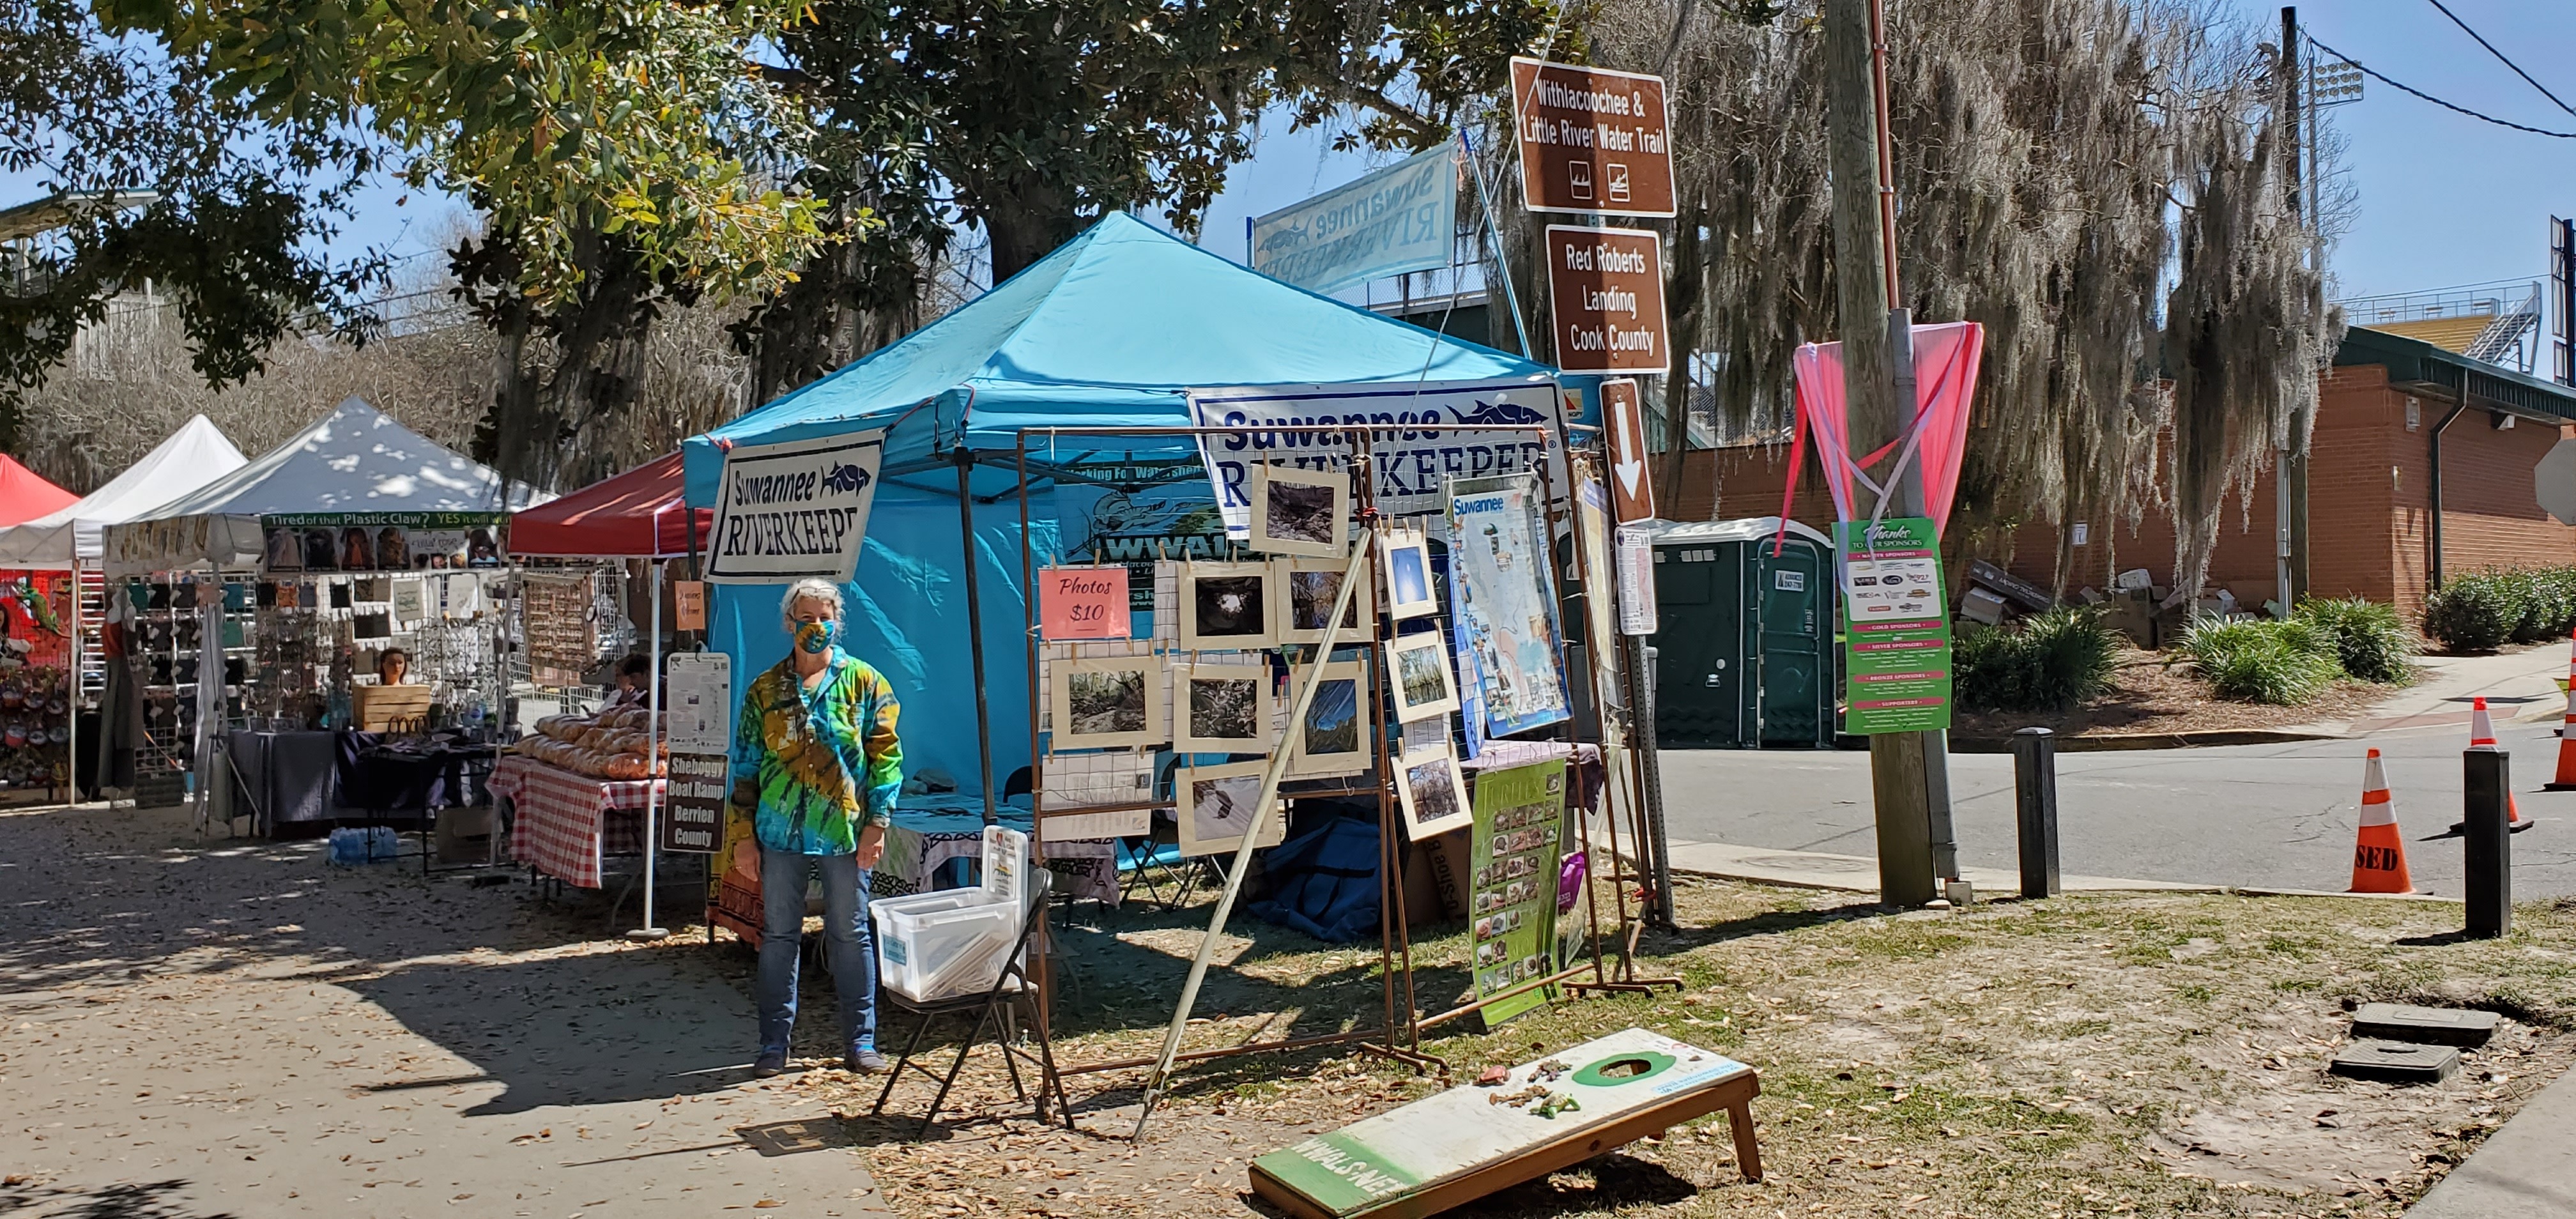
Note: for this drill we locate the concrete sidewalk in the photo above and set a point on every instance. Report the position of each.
(2527, 1170)
(2517, 686)
(1859, 874)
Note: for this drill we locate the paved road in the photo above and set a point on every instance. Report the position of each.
(2279, 816)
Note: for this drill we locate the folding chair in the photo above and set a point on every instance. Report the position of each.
(1011, 994)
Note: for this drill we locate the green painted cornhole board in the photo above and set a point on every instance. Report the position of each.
(1446, 1150)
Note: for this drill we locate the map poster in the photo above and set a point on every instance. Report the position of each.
(1503, 593)
(1514, 852)
(1896, 632)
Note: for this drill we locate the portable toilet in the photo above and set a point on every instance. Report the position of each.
(1744, 642)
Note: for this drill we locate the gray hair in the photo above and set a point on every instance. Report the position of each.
(812, 588)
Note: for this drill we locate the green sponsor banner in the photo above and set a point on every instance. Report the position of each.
(1338, 1171)
(1896, 631)
(408, 520)
(1516, 851)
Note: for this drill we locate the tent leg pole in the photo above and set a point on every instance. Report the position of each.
(975, 629)
(652, 749)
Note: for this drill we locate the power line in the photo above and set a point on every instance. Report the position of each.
(2491, 50)
(2406, 88)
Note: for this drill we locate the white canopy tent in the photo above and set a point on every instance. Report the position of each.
(356, 459)
(193, 456)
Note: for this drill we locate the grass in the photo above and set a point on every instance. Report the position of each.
(2156, 1054)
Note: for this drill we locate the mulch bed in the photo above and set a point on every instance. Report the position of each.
(2156, 692)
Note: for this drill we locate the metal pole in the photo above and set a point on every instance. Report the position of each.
(652, 752)
(2487, 846)
(1262, 809)
(72, 695)
(1484, 200)
(2035, 809)
(1657, 842)
(975, 630)
(2295, 461)
(2433, 519)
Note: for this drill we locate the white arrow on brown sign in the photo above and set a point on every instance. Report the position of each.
(1624, 416)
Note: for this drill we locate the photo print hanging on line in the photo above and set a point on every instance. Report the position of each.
(1112, 702)
(1417, 668)
(1225, 606)
(1433, 793)
(1299, 512)
(1405, 560)
(1221, 707)
(1217, 805)
(1334, 737)
(1308, 588)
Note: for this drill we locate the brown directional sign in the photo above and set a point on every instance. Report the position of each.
(1592, 140)
(1606, 299)
(1623, 423)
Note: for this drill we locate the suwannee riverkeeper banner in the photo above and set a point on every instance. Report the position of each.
(794, 509)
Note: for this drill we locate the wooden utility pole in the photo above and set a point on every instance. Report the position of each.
(1900, 763)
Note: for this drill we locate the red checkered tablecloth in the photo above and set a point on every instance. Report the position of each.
(563, 823)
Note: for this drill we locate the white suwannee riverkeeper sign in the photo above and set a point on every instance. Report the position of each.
(794, 509)
(1436, 431)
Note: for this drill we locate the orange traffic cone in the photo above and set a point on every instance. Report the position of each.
(2378, 854)
(2566, 780)
(2482, 736)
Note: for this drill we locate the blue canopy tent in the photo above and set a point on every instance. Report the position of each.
(1109, 330)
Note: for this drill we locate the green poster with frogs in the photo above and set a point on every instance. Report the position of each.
(1515, 850)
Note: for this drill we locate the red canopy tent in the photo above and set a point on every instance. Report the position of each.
(637, 514)
(25, 495)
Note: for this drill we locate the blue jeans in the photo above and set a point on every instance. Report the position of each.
(847, 936)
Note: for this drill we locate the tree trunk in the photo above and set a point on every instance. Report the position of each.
(1026, 221)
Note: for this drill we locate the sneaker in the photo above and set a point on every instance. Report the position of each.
(864, 1061)
(768, 1065)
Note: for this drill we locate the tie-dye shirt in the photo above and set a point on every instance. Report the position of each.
(824, 761)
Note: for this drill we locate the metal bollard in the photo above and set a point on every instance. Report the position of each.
(2488, 843)
(2035, 809)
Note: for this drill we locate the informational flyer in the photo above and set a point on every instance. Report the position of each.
(1504, 597)
(1514, 853)
(1896, 631)
(697, 697)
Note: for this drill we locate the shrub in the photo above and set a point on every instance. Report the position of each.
(2046, 662)
(2476, 612)
(2284, 663)
(2371, 641)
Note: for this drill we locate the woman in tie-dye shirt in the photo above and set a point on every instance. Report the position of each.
(817, 764)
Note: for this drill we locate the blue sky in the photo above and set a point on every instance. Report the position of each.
(2443, 199)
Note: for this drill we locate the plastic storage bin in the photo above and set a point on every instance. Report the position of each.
(934, 946)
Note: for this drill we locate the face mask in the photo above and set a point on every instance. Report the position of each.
(817, 637)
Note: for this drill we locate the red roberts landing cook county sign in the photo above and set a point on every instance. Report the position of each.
(1605, 294)
(1592, 140)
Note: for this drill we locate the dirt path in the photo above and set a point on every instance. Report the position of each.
(219, 1028)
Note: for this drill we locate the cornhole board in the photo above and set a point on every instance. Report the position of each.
(1447, 1150)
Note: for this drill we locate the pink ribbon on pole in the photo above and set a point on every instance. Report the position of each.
(1945, 378)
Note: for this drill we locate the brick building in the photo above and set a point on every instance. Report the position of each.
(2387, 407)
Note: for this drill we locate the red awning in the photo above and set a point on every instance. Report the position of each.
(25, 495)
(637, 514)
